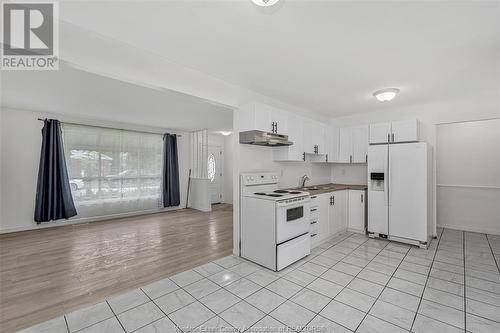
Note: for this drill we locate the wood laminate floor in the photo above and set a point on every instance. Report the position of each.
(46, 273)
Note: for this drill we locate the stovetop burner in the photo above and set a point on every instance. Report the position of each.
(260, 193)
(274, 195)
(281, 191)
(294, 192)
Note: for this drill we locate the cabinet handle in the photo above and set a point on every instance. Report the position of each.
(304, 156)
(314, 222)
(361, 198)
(350, 159)
(276, 127)
(313, 235)
(366, 158)
(333, 200)
(388, 137)
(313, 197)
(326, 157)
(313, 209)
(392, 137)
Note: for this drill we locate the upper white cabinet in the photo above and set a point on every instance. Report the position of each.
(405, 131)
(294, 152)
(307, 136)
(353, 144)
(380, 133)
(263, 117)
(359, 144)
(345, 145)
(319, 137)
(394, 132)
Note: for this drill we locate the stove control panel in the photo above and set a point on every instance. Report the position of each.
(259, 178)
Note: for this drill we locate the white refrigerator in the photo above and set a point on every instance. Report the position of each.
(400, 192)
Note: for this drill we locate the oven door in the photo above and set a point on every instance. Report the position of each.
(292, 218)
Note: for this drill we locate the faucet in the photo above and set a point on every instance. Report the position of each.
(304, 179)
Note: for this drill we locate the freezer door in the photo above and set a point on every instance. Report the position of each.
(378, 214)
(408, 191)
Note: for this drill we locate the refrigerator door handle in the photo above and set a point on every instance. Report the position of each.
(386, 179)
(389, 185)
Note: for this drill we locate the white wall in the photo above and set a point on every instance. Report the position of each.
(20, 140)
(468, 175)
(484, 105)
(356, 174)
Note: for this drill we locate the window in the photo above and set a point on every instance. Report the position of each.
(211, 167)
(113, 171)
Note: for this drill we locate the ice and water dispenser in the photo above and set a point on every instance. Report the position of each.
(377, 179)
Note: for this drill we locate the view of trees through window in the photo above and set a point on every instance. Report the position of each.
(117, 167)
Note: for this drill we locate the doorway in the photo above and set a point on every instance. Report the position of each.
(214, 167)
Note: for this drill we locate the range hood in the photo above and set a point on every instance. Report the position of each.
(261, 138)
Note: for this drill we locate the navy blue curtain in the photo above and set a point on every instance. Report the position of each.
(171, 194)
(53, 192)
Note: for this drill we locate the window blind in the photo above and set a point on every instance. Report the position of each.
(113, 171)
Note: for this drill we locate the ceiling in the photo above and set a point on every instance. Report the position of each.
(325, 56)
(74, 92)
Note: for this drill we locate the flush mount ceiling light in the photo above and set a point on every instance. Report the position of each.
(385, 95)
(265, 3)
(225, 133)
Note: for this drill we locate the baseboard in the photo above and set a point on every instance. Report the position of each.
(490, 231)
(75, 222)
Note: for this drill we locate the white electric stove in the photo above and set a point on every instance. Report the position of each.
(274, 223)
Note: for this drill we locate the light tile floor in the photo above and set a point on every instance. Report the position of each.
(349, 284)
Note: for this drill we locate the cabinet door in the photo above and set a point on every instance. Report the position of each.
(405, 131)
(333, 137)
(307, 136)
(280, 118)
(262, 116)
(338, 212)
(359, 144)
(379, 133)
(295, 151)
(323, 210)
(356, 214)
(319, 139)
(345, 147)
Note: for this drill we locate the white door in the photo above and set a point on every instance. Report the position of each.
(359, 144)
(378, 189)
(214, 172)
(345, 150)
(379, 133)
(405, 131)
(408, 191)
(356, 214)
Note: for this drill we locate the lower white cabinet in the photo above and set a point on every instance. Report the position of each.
(356, 211)
(319, 218)
(337, 217)
(335, 212)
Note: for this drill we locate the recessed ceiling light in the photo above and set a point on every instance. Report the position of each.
(225, 133)
(385, 95)
(265, 3)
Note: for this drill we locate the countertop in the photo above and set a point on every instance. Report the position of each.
(326, 188)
